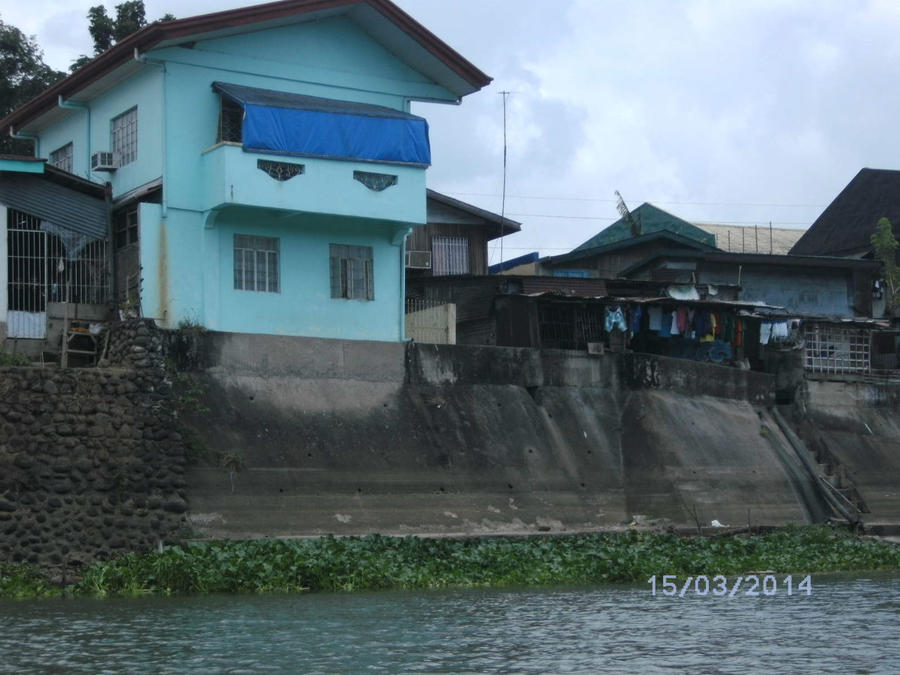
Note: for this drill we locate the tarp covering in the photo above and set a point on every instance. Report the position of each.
(294, 124)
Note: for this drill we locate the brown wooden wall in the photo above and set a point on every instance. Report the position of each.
(421, 237)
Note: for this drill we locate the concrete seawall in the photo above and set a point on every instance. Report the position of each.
(355, 437)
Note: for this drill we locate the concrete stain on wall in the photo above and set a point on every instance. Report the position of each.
(162, 273)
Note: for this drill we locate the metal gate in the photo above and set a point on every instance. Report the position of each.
(27, 270)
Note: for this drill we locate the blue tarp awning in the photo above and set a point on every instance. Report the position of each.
(293, 124)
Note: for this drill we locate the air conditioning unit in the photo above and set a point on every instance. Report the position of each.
(418, 260)
(103, 161)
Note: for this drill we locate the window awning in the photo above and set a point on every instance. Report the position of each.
(293, 124)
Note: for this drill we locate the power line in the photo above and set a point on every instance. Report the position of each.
(554, 216)
(654, 201)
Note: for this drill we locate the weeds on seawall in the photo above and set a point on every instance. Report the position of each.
(378, 562)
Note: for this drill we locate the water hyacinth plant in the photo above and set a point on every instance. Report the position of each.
(379, 562)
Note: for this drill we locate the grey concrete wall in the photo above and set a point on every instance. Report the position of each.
(859, 423)
(479, 440)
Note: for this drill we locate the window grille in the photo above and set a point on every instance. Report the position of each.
(279, 170)
(125, 227)
(256, 263)
(61, 158)
(352, 274)
(450, 255)
(375, 181)
(836, 349)
(231, 121)
(48, 263)
(565, 326)
(124, 137)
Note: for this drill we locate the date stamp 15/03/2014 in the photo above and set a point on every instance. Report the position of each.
(721, 586)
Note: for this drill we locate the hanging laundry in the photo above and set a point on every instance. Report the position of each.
(655, 314)
(683, 323)
(615, 320)
(765, 332)
(780, 330)
(674, 327)
(636, 319)
(665, 328)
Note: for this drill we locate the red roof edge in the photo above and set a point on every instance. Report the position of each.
(154, 33)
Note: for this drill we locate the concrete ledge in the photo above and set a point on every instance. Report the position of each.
(309, 358)
(518, 366)
(693, 378)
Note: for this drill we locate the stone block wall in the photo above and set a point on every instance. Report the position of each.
(90, 462)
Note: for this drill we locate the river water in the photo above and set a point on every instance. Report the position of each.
(844, 625)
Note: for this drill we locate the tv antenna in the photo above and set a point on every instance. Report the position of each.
(626, 215)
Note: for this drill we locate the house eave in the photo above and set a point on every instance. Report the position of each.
(385, 21)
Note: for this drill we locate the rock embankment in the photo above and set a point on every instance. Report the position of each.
(90, 462)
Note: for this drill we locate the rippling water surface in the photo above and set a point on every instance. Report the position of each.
(847, 625)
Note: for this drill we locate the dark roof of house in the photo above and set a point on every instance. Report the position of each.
(579, 253)
(183, 30)
(846, 226)
(794, 261)
(488, 217)
(650, 218)
(60, 177)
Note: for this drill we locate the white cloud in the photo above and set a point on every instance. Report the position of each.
(765, 102)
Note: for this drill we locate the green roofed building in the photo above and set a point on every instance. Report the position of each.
(647, 219)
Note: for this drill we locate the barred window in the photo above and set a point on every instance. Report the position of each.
(352, 272)
(124, 137)
(61, 158)
(450, 255)
(231, 121)
(256, 263)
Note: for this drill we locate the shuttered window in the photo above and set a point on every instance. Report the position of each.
(256, 263)
(450, 255)
(352, 274)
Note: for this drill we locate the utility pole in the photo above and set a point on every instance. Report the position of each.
(504, 94)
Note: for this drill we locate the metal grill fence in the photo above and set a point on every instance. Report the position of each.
(430, 321)
(47, 263)
(837, 350)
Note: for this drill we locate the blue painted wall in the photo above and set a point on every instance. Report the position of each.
(211, 193)
(814, 292)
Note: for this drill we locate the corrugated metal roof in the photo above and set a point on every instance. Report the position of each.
(751, 239)
(62, 206)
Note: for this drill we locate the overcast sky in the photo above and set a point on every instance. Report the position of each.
(728, 112)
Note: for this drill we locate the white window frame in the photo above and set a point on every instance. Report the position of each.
(123, 130)
(61, 158)
(449, 255)
(352, 272)
(256, 263)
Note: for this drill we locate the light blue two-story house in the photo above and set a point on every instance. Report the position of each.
(265, 169)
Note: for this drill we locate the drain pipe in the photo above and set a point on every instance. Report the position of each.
(400, 241)
(23, 136)
(78, 105)
(165, 139)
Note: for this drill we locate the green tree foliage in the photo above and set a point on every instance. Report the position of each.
(23, 75)
(885, 245)
(106, 30)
